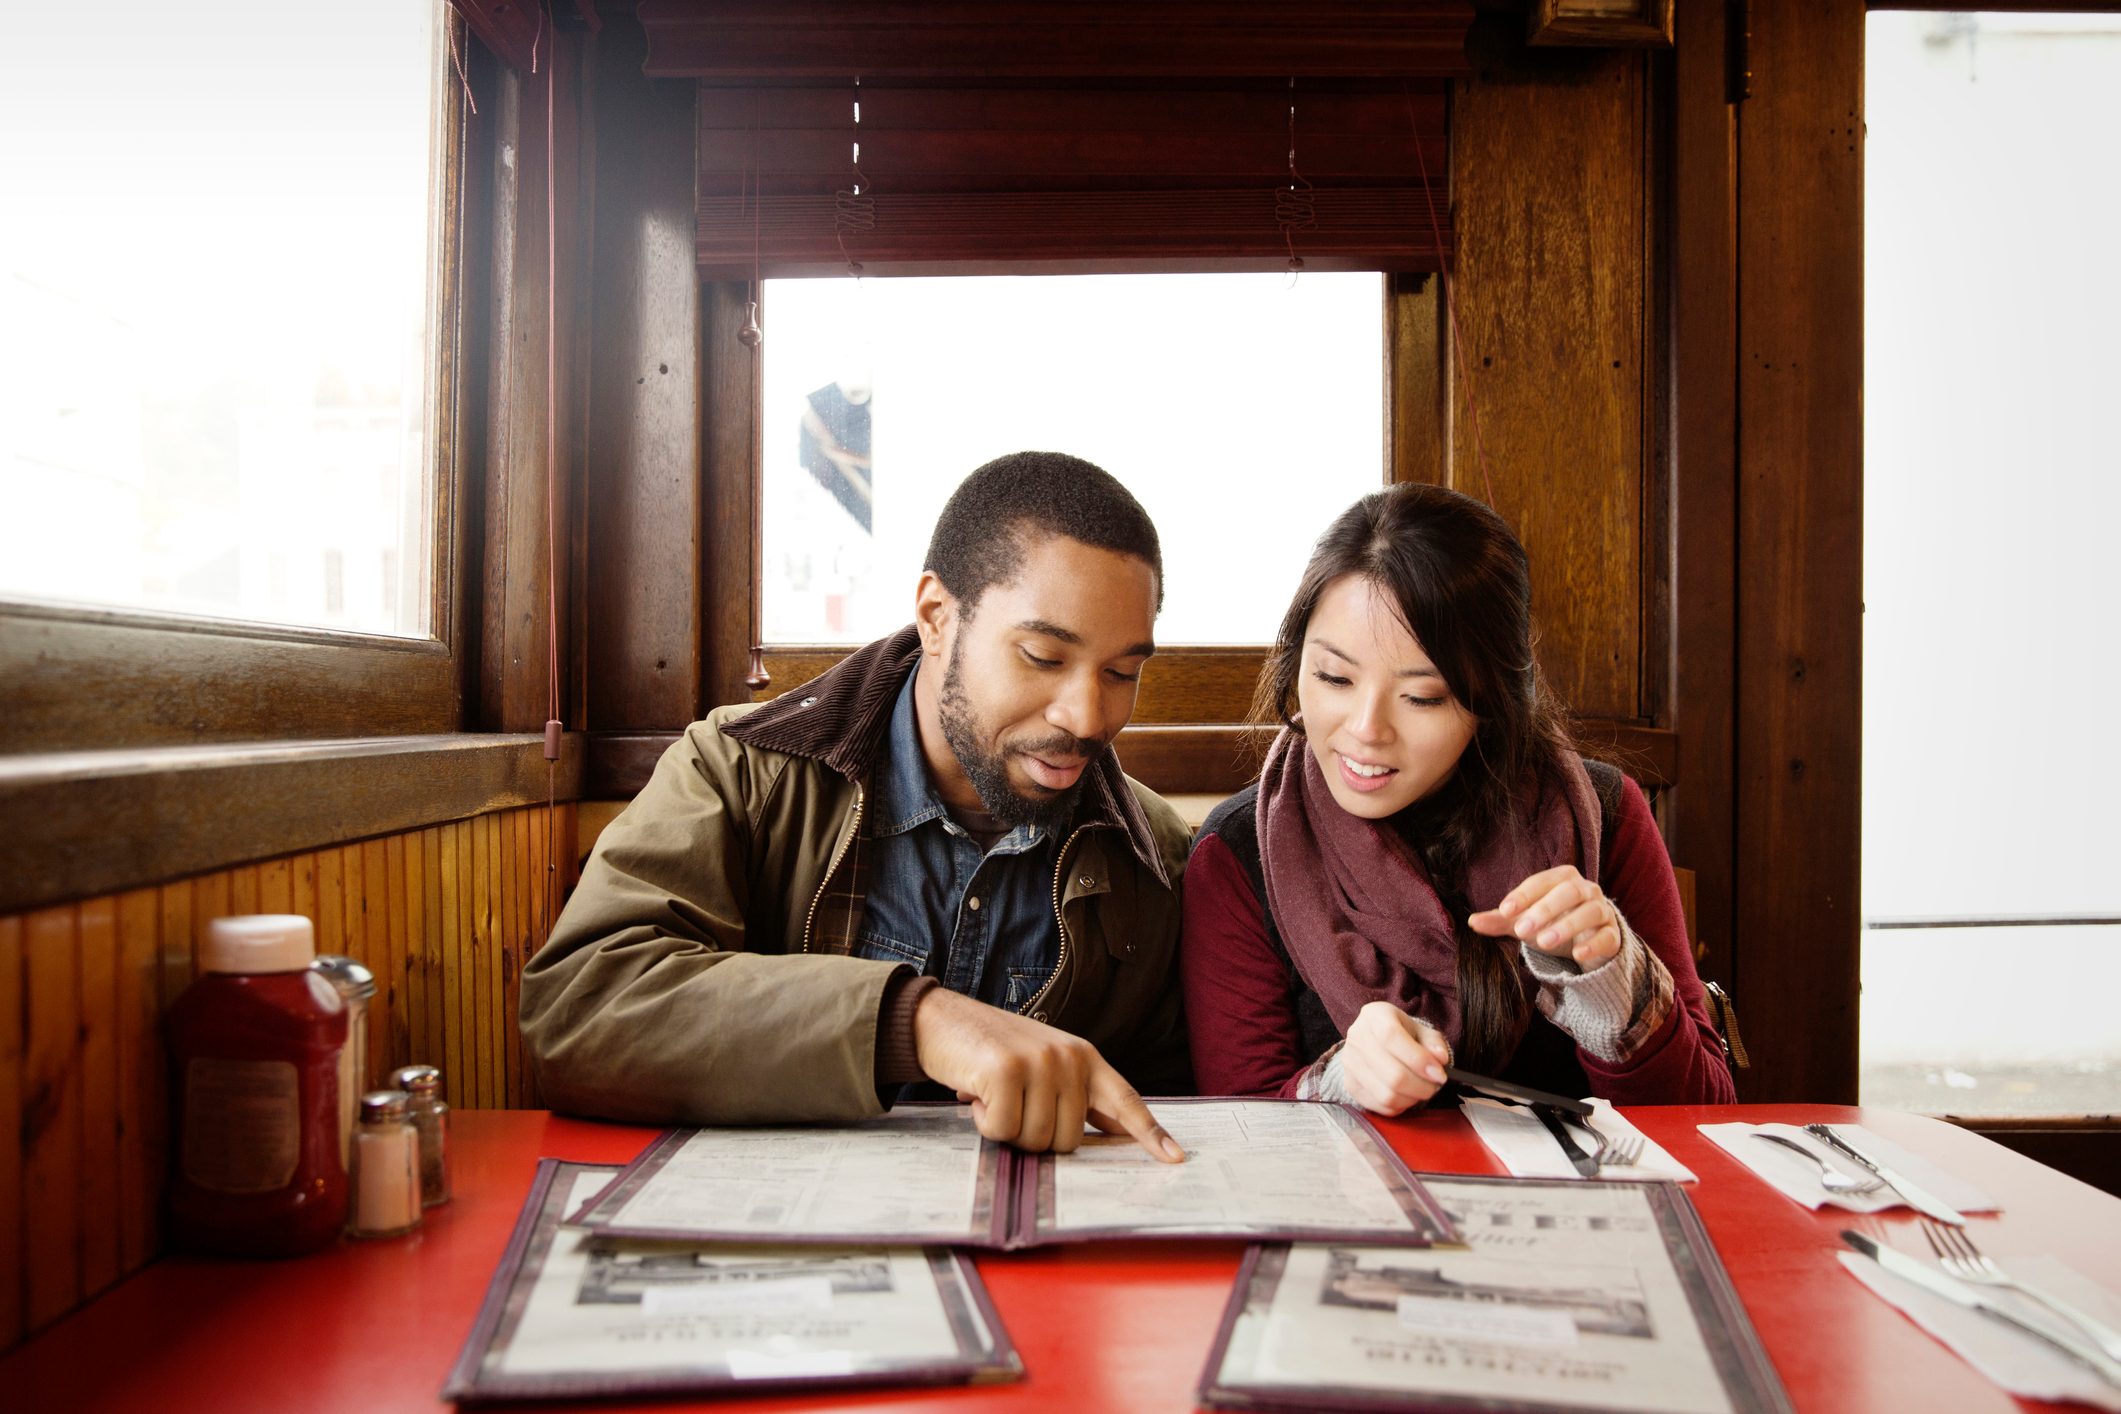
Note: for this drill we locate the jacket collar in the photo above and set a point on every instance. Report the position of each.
(843, 719)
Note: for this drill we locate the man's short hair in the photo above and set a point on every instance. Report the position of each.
(982, 534)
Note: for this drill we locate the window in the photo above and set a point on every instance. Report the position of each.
(226, 370)
(215, 364)
(1992, 907)
(1244, 410)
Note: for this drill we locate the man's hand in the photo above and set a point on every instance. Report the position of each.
(1391, 1061)
(1559, 912)
(1030, 1085)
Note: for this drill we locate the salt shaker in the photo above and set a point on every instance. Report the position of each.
(386, 1177)
(429, 1116)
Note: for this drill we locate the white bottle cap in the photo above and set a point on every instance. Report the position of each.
(258, 942)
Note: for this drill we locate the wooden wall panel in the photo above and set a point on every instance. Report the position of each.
(96, 951)
(1550, 187)
(143, 1092)
(51, 1215)
(445, 917)
(13, 1015)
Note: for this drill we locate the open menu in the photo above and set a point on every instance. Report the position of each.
(1257, 1169)
(576, 1315)
(1567, 1296)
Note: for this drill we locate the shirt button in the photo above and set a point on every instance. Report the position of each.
(973, 904)
(1038, 1016)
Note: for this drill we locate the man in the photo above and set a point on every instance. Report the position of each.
(925, 865)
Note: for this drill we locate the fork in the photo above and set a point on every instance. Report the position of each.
(1833, 1180)
(1614, 1150)
(1958, 1255)
(1620, 1150)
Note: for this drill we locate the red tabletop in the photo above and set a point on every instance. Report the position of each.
(1123, 1326)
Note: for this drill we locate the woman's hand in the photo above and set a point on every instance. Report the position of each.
(1559, 912)
(1391, 1061)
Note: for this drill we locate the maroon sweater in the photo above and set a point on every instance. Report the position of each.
(1255, 1025)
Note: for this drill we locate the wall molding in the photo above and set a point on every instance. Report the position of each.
(82, 824)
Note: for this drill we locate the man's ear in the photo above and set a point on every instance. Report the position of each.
(934, 611)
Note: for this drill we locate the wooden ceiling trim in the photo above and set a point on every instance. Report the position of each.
(799, 41)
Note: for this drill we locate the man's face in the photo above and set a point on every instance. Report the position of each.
(1043, 674)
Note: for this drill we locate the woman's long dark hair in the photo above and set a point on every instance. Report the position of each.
(1460, 583)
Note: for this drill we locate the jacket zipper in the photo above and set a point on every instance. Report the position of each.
(1060, 872)
(810, 918)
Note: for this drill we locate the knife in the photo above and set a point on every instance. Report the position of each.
(1918, 1197)
(1940, 1283)
(1583, 1163)
(1511, 1090)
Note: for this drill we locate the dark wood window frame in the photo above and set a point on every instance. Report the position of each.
(141, 746)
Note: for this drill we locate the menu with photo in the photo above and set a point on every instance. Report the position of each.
(572, 1314)
(1265, 1169)
(1567, 1295)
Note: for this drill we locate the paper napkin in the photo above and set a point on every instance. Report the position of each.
(1514, 1135)
(1791, 1176)
(2010, 1358)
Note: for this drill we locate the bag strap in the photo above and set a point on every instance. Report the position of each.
(1724, 1013)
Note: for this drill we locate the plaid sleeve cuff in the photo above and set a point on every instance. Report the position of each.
(1321, 1079)
(1613, 1009)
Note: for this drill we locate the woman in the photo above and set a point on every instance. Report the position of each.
(1425, 869)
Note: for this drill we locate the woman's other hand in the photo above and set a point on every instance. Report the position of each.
(1391, 1061)
(1559, 912)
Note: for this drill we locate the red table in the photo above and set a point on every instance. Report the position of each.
(375, 1326)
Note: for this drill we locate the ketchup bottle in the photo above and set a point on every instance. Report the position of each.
(259, 1170)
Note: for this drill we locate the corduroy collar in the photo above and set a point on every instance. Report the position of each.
(843, 719)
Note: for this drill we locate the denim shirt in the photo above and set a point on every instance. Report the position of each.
(982, 922)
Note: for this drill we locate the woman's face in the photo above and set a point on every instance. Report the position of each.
(1385, 729)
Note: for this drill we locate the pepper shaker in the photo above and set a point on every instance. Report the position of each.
(428, 1114)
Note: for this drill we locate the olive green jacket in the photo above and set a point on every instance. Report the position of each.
(701, 972)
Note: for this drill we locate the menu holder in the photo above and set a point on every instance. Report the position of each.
(1568, 1295)
(1289, 1170)
(577, 1315)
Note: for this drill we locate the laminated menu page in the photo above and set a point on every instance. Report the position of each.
(1257, 1169)
(582, 1315)
(1567, 1295)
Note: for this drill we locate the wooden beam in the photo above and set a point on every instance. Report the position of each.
(983, 40)
(1702, 604)
(1196, 759)
(642, 484)
(1800, 549)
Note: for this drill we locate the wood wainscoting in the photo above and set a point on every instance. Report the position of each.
(444, 916)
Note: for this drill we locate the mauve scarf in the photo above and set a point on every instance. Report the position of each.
(1353, 901)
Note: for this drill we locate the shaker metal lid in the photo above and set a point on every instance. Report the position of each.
(382, 1106)
(417, 1079)
(350, 977)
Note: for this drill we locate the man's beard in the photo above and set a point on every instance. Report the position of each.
(989, 771)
